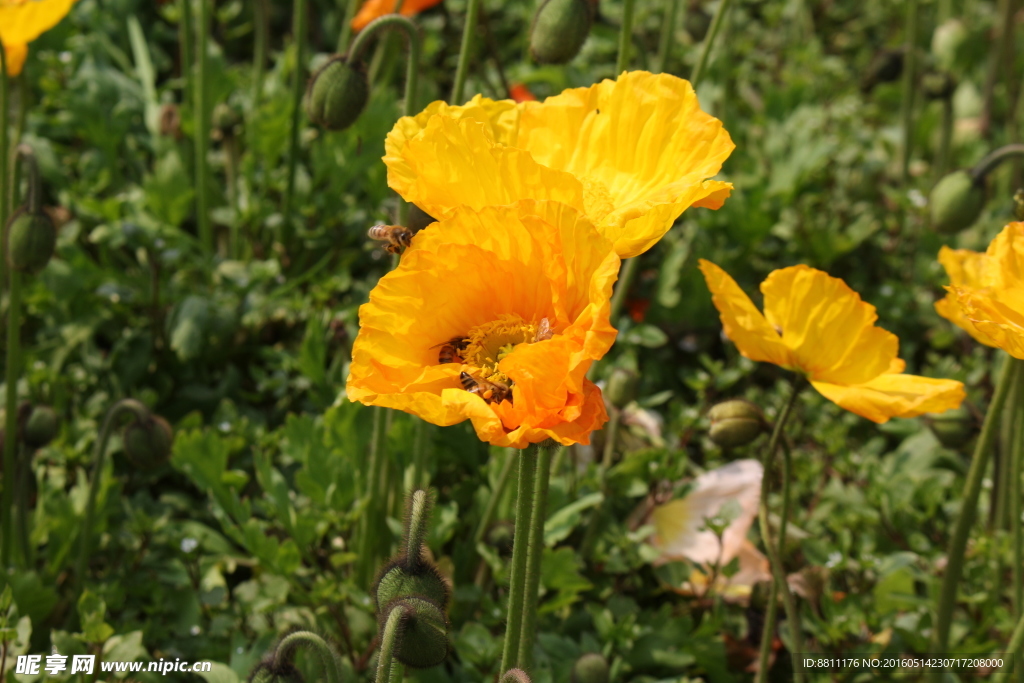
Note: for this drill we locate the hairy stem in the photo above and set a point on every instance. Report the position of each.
(520, 550)
(472, 14)
(709, 42)
(538, 515)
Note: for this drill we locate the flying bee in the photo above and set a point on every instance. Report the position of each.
(396, 236)
(451, 349)
(544, 330)
(488, 390)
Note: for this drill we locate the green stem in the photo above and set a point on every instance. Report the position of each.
(968, 508)
(185, 38)
(607, 454)
(520, 550)
(231, 173)
(625, 37)
(472, 12)
(371, 508)
(994, 158)
(13, 371)
(285, 651)
(907, 100)
(945, 139)
(495, 497)
(24, 486)
(141, 413)
(1013, 490)
(298, 87)
(419, 453)
(416, 526)
(388, 641)
(202, 128)
(1012, 652)
(345, 32)
(767, 633)
(668, 29)
(709, 42)
(4, 106)
(259, 54)
(775, 558)
(538, 515)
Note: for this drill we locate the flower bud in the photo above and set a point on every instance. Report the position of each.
(953, 428)
(590, 668)
(337, 94)
(559, 29)
(621, 387)
(397, 582)
(424, 633)
(40, 427)
(956, 202)
(31, 238)
(147, 443)
(735, 423)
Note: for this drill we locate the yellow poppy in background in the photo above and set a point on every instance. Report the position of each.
(994, 304)
(374, 9)
(493, 316)
(22, 21)
(632, 154)
(816, 325)
(965, 269)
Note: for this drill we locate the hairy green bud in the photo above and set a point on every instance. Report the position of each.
(621, 387)
(147, 443)
(559, 30)
(337, 94)
(735, 423)
(423, 642)
(590, 668)
(397, 582)
(956, 202)
(40, 427)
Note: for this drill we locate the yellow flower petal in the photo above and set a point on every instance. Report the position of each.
(16, 54)
(895, 395)
(827, 326)
(965, 269)
(26, 21)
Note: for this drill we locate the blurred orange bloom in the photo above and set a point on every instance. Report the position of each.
(22, 21)
(816, 325)
(493, 316)
(520, 93)
(374, 9)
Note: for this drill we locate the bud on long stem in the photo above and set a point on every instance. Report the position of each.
(285, 652)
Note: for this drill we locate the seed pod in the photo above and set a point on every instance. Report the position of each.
(31, 238)
(590, 668)
(953, 428)
(40, 427)
(735, 423)
(621, 387)
(147, 443)
(423, 642)
(559, 30)
(956, 202)
(337, 94)
(397, 582)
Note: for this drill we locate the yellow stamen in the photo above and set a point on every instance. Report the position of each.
(491, 342)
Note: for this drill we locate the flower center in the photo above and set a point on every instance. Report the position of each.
(489, 343)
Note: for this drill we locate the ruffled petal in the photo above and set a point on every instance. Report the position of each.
(965, 269)
(743, 323)
(895, 395)
(997, 314)
(24, 22)
(829, 329)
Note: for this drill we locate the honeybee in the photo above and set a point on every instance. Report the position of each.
(488, 390)
(396, 236)
(544, 330)
(451, 350)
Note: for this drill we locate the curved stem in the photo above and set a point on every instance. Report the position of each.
(994, 158)
(141, 413)
(185, 38)
(907, 99)
(12, 372)
(538, 515)
(767, 633)
(388, 641)
(775, 559)
(416, 526)
(298, 86)
(472, 12)
(329, 658)
(668, 29)
(625, 37)
(972, 488)
(34, 197)
(709, 42)
(202, 128)
(520, 550)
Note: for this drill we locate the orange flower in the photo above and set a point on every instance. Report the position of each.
(520, 93)
(965, 269)
(374, 9)
(22, 21)
(816, 325)
(463, 317)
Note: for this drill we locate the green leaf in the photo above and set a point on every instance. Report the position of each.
(91, 611)
(648, 336)
(188, 327)
(219, 673)
(559, 525)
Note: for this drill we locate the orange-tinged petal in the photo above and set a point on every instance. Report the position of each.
(965, 269)
(997, 314)
(1007, 253)
(829, 329)
(521, 93)
(26, 21)
(895, 395)
(744, 325)
(16, 55)
(373, 9)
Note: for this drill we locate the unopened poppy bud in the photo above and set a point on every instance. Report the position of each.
(735, 423)
(953, 428)
(559, 29)
(424, 632)
(337, 94)
(621, 388)
(147, 443)
(590, 668)
(956, 202)
(31, 238)
(397, 582)
(40, 427)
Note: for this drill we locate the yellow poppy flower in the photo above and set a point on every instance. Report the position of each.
(994, 304)
(493, 316)
(632, 154)
(816, 325)
(22, 21)
(965, 269)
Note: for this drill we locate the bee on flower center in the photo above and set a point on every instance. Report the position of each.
(451, 350)
(396, 236)
(489, 390)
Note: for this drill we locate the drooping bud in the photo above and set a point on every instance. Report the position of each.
(621, 387)
(337, 94)
(40, 427)
(278, 664)
(424, 632)
(956, 202)
(559, 30)
(31, 238)
(590, 668)
(397, 582)
(147, 443)
(735, 423)
(953, 428)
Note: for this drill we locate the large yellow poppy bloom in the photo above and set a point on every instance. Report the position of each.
(488, 283)
(816, 325)
(994, 302)
(965, 269)
(632, 154)
(22, 21)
